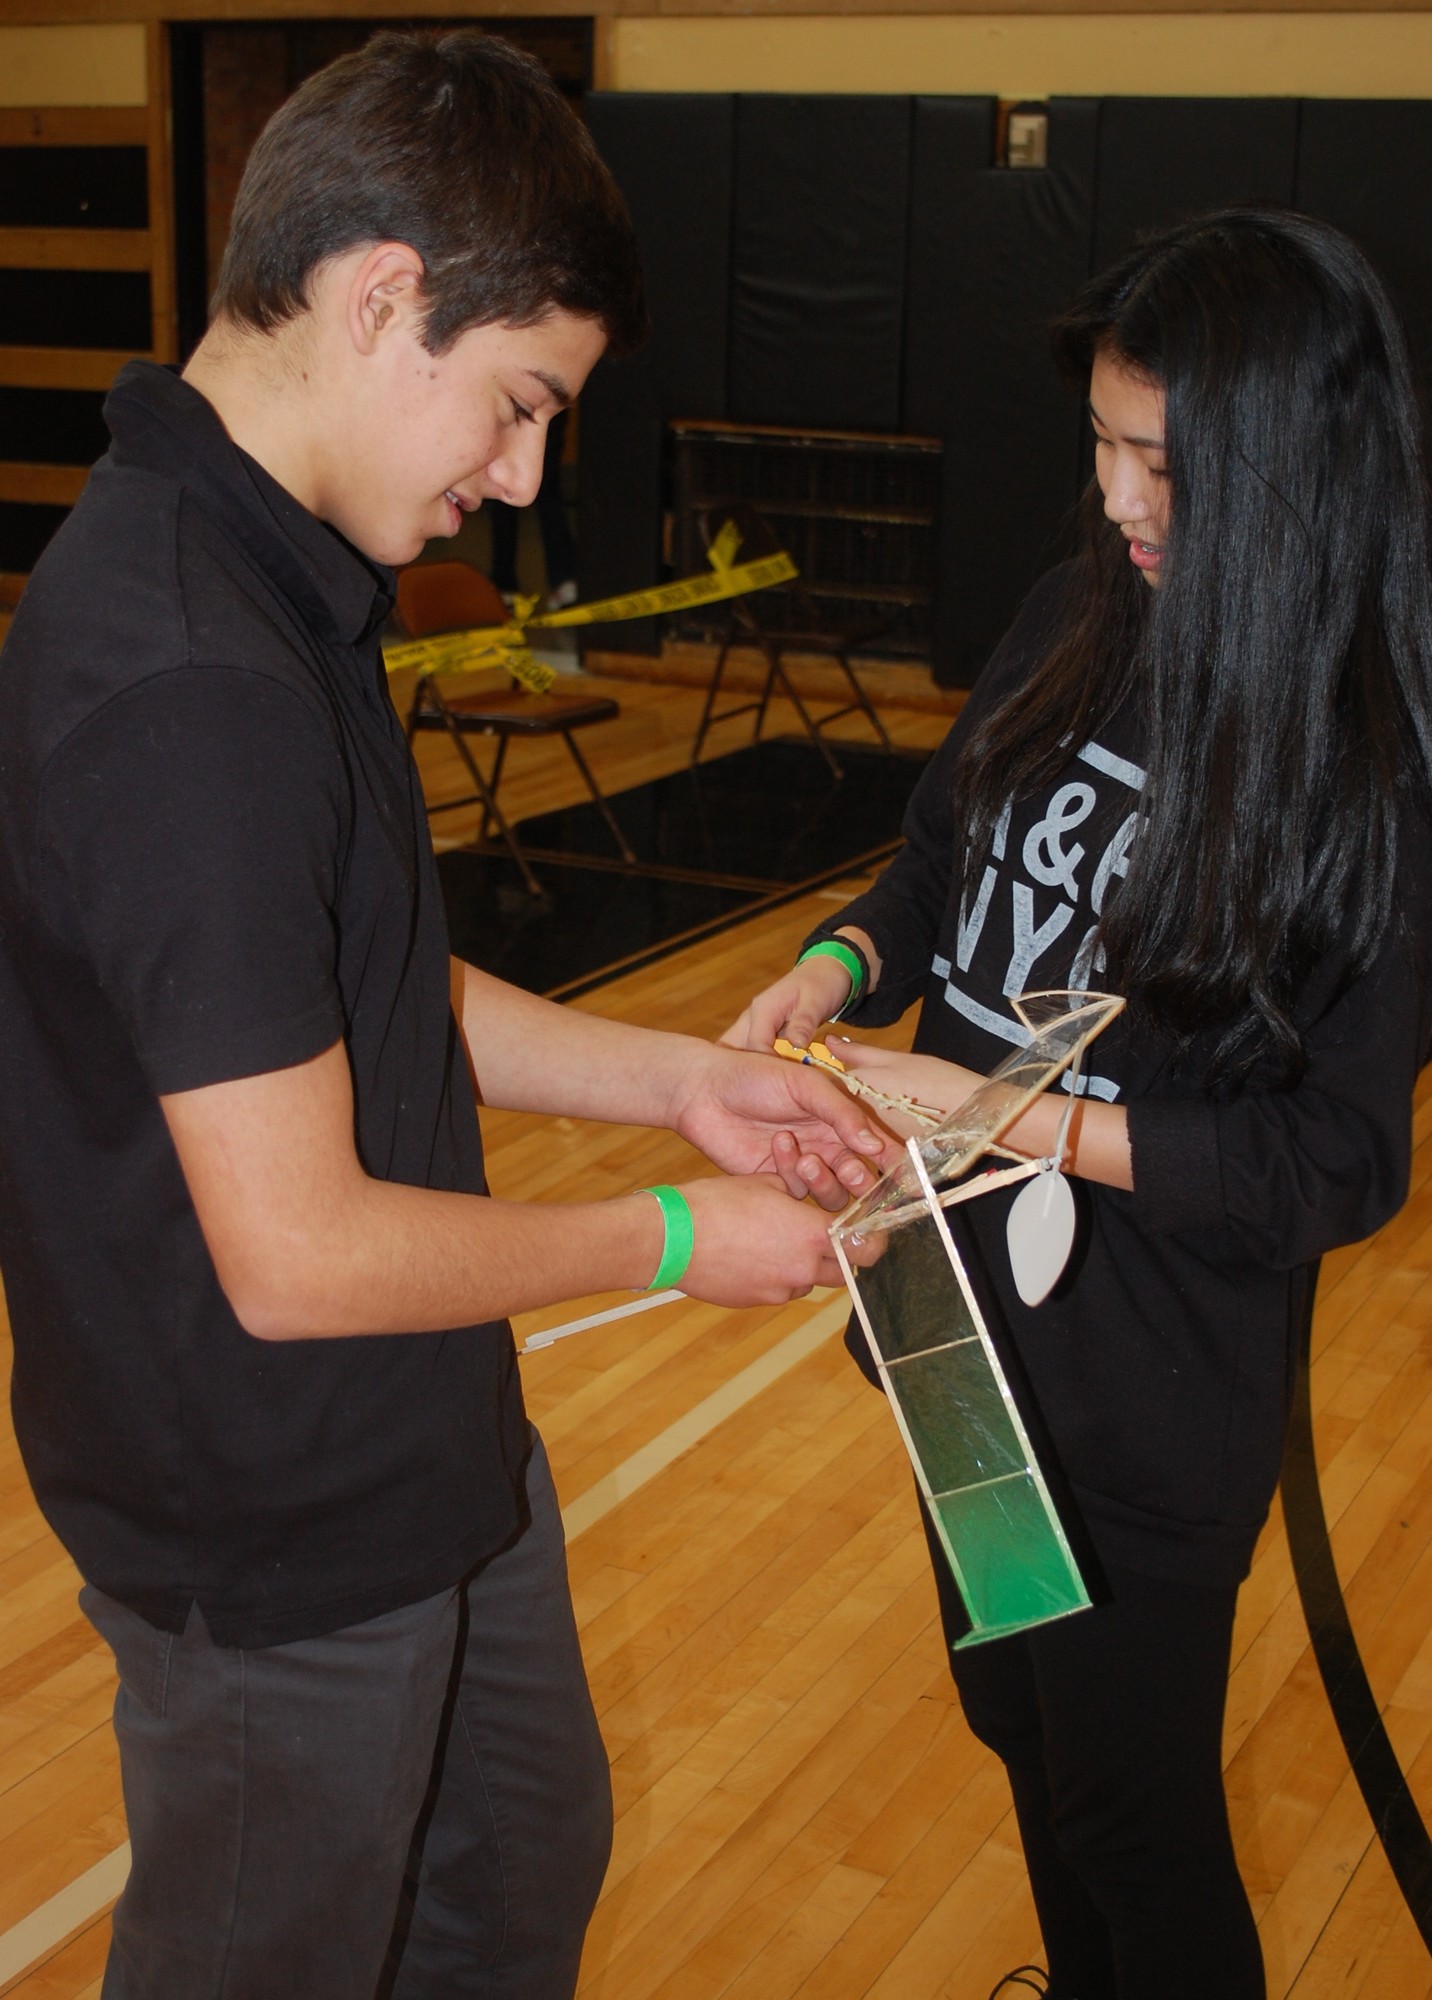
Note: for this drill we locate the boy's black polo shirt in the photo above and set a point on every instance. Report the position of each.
(214, 863)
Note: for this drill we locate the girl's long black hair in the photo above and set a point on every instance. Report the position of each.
(1283, 668)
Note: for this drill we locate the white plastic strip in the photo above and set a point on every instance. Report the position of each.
(641, 1304)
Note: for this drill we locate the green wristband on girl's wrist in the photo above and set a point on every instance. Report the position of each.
(679, 1240)
(855, 964)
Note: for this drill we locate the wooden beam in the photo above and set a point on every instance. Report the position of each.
(74, 249)
(603, 33)
(12, 582)
(69, 125)
(48, 12)
(164, 323)
(42, 485)
(62, 367)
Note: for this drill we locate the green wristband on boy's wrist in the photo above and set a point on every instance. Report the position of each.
(855, 964)
(679, 1240)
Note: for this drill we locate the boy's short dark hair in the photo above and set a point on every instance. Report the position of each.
(463, 147)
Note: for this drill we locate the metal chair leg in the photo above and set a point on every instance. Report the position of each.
(864, 704)
(416, 706)
(773, 669)
(490, 805)
(599, 800)
(495, 777)
(812, 730)
(705, 723)
(483, 794)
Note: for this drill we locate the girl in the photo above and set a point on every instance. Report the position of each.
(1197, 771)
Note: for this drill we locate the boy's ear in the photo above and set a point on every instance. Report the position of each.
(385, 292)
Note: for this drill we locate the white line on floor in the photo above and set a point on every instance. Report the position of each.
(70, 1909)
(634, 1472)
(66, 1912)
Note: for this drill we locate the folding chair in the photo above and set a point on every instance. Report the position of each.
(451, 597)
(787, 619)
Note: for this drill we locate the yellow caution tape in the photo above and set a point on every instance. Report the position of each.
(506, 645)
(734, 580)
(464, 652)
(722, 552)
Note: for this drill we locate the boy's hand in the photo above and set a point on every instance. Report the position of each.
(758, 1115)
(754, 1245)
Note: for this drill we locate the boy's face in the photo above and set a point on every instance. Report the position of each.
(439, 434)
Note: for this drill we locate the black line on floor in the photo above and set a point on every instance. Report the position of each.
(637, 961)
(1393, 1810)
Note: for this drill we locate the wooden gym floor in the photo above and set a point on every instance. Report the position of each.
(801, 1812)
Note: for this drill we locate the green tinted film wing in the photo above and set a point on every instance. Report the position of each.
(972, 1456)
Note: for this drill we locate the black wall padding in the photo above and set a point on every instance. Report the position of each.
(951, 144)
(818, 260)
(619, 510)
(1162, 158)
(671, 155)
(52, 426)
(24, 531)
(74, 187)
(995, 253)
(1367, 166)
(77, 309)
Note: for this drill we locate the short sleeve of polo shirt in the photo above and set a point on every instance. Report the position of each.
(189, 844)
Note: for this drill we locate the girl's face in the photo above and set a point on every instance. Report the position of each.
(1127, 411)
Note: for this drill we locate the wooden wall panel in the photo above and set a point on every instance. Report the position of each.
(50, 12)
(86, 249)
(59, 367)
(75, 249)
(164, 332)
(69, 125)
(43, 485)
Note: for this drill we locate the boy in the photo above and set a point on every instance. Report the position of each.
(262, 1382)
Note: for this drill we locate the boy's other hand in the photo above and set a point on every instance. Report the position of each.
(754, 1245)
(755, 1114)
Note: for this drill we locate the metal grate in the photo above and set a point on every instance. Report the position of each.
(855, 510)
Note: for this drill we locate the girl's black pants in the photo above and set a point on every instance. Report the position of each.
(1110, 1726)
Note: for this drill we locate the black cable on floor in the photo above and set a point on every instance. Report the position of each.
(1393, 1810)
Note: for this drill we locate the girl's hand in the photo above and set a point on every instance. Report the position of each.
(926, 1079)
(803, 998)
(1098, 1137)
(794, 1007)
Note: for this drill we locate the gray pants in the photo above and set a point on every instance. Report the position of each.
(278, 1798)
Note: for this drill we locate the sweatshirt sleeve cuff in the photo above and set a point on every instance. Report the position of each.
(1178, 1182)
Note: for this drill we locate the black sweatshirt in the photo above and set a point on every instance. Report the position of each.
(1162, 1366)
